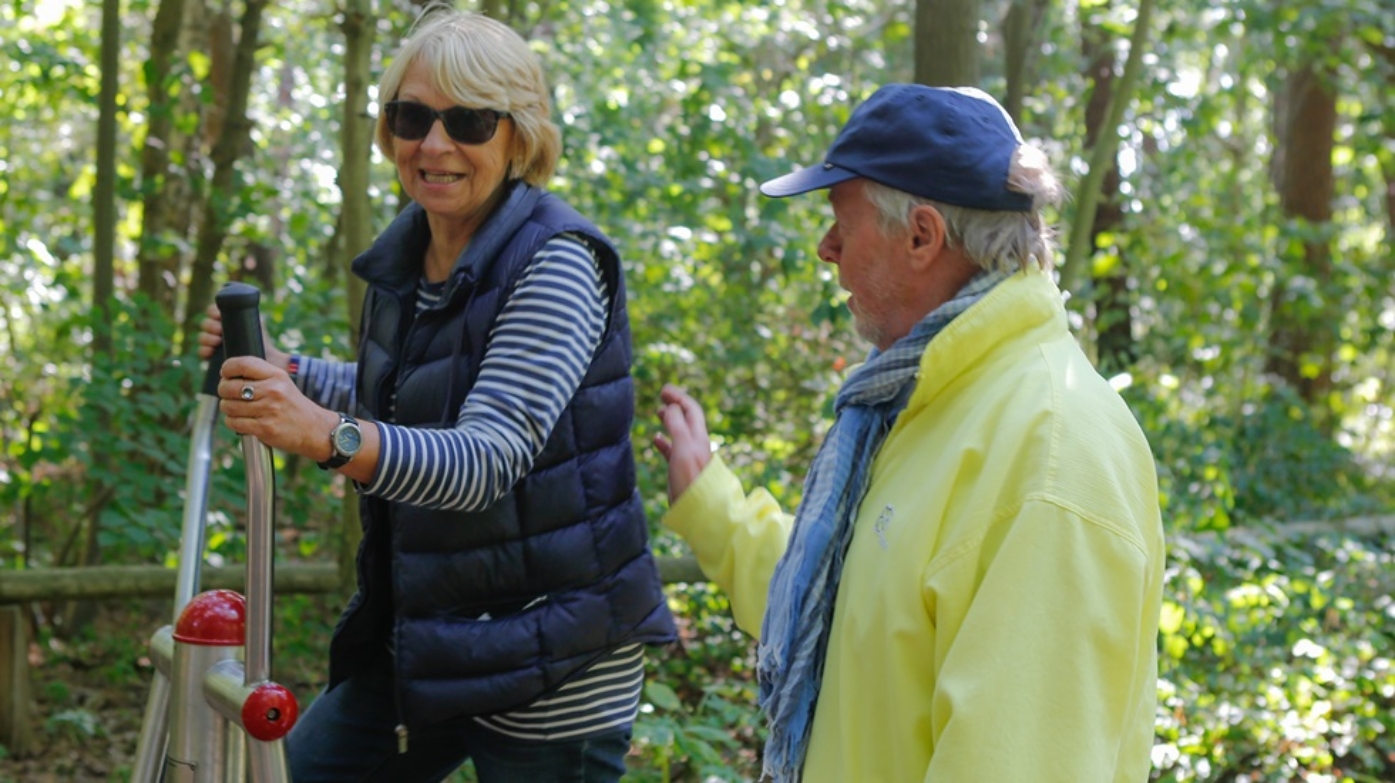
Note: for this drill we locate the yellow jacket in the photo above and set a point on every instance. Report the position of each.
(998, 610)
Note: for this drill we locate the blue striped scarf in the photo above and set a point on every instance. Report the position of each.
(794, 636)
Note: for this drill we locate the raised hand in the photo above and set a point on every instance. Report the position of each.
(684, 442)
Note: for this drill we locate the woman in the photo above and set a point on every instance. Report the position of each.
(505, 584)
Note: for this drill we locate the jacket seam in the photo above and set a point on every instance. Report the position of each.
(973, 543)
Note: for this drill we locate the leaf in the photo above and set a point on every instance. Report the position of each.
(1170, 621)
(663, 697)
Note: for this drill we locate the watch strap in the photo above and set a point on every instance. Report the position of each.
(337, 458)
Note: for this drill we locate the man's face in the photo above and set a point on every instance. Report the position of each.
(868, 264)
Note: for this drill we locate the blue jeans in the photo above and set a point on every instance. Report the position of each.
(348, 736)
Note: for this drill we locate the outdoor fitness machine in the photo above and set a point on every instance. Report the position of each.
(202, 687)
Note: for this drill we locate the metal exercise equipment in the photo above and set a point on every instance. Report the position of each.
(213, 714)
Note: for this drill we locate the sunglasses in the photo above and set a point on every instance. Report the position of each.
(411, 121)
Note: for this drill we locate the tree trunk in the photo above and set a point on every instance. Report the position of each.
(1113, 308)
(1020, 26)
(258, 262)
(259, 266)
(356, 220)
(104, 193)
(16, 707)
(159, 258)
(1387, 162)
(223, 195)
(493, 9)
(221, 36)
(356, 142)
(104, 267)
(1074, 274)
(946, 43)
(1303, 335)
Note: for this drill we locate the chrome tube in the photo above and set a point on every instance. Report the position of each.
(260, 555)
(227, 694)
(192, 535)
(235, 767)
(197, 734)
(154, 726)
(150, 750)
(268, 761)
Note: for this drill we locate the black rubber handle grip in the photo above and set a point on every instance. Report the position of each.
(242, 323)
(214, 371)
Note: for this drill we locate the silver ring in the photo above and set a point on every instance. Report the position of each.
(248, 392)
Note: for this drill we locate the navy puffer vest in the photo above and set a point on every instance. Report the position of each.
(488, 610)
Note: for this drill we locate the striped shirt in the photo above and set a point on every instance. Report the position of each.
(534, 359)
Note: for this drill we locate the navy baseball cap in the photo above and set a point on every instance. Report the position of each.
(947, 144)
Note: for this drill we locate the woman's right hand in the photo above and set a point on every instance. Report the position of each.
(211, 336)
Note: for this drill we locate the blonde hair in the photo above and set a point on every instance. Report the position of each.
(995, 241)
(481, 63)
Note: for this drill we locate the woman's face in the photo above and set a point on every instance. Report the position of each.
(449, 179)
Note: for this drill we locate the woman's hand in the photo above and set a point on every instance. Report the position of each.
(686, 446)
(211, 336)
(260, 399)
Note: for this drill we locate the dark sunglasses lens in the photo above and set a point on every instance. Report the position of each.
(409, 121)
(470, 126)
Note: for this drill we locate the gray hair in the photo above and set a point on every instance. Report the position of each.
(995, 241)
(484, 64)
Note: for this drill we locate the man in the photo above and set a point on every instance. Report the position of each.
(970, 589)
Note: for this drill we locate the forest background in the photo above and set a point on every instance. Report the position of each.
(1227, 252)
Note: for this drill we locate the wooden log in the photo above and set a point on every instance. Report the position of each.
(117, 582)
(1273, 531)
(114, 582)
(16, 726)
(673, 570)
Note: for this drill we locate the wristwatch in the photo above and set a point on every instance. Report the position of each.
(344, 442)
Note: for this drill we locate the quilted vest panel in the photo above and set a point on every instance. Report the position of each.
(488, 610)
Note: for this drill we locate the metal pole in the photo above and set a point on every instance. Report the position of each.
(259, 559)
(209, 632)
(154, 734)
(191, 539)
(263, 710)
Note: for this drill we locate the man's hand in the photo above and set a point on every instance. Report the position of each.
(686, 446)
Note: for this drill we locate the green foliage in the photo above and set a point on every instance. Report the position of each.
(122, 436)
(664, 145)
(672, 112)
(1275, 660)
(674, 742)
(1223, 463)
(698, 720)
(76, 723)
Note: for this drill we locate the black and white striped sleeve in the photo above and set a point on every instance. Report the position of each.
(540, 347)
(329, 383)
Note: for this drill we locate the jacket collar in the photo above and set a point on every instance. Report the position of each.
(1026, 302)
(394, 261)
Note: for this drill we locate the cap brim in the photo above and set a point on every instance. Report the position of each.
(824, 175)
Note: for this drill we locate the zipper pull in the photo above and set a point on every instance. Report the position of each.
(401, 739)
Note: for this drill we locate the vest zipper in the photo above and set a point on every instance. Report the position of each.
(401, 729)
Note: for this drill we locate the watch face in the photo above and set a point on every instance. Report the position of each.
(347, 440)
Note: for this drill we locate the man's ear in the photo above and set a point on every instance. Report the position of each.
(927, 235)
